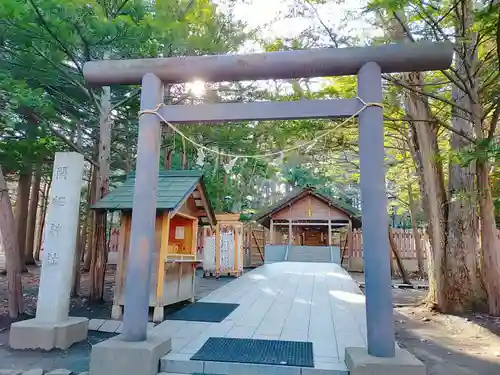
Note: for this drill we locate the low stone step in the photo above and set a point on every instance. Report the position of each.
(181, 364)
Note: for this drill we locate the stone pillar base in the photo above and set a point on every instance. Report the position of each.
(359, 362)
(117, 357)
(34, 334)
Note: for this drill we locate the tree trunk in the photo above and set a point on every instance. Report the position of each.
(416, 233)
(99, 256)
(425, 144)
(75, 284)
(399, 261)
(490, 243)
(90, 221)
(80, 241)
(21, 212)
(98, 265)
(86, 221)
(167, 159)
(11, 249)
(434, 196)
(32, 213)
(41, 225)
(184, 154)
(465, 288)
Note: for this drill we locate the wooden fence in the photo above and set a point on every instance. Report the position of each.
(254, 242)
(403, 241)
(254, 237)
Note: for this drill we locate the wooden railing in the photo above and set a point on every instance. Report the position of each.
(403, 240)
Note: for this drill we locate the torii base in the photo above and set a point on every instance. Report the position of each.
(359, 362)
(118, 357)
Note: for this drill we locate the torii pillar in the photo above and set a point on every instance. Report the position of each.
(137, 351)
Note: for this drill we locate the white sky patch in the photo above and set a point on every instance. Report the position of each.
(344, 17)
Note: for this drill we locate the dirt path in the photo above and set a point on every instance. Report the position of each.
(450, 345)
(447, 344)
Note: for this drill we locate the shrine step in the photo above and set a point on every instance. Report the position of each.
(317, 254)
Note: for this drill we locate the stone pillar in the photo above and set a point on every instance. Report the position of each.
(379, 315)
(52, 328)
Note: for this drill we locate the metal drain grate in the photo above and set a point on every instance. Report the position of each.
(268, 352)
(204, 312)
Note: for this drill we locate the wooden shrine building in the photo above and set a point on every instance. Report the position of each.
(182, 206)
(307, 226)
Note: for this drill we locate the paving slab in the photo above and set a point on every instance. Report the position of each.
(95, 324)
(60, 371)
(34, 371)
(10, 372)
(110, 326)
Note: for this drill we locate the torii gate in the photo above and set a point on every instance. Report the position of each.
(367, 62)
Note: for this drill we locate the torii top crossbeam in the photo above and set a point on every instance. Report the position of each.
(323, 62)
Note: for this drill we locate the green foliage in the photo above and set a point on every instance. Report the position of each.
(46, 105)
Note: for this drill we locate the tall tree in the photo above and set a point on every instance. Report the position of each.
(9, 242)
(32, 215)
(453, 218)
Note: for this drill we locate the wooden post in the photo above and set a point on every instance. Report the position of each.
(271, 233)
(158, 313)
(217, 250)
(195, 237)
(330, 235)
(290, 228)
(350, 246)
(116, 310)
(236, 264)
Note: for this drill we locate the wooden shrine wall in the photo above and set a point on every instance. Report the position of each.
(309, 208)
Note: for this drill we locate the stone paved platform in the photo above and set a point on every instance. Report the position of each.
(317, 302)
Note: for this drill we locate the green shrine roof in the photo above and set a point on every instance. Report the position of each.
(173, 187)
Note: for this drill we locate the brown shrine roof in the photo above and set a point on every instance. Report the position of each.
(264, 216)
